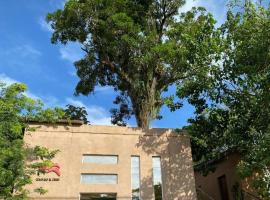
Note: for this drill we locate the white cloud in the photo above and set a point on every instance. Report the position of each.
(57, 4)
(217, 8)
(189, 4)
(8, 81)
(44, 25)
(71, 52)
(24, 51)
(23, 55)
(104, 89)
(96, 114)
(51, 101)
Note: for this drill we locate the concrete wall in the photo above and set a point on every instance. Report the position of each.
(209, 184)
(74, 141)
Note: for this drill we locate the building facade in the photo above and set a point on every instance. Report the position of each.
(220, 184)
(109, 163)
(224, 183)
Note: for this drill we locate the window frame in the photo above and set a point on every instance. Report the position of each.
(161, 175)
(100, 174)
(100, 155)
(139, 167)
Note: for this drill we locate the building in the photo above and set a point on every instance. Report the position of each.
(223, 183)
(110, 162)
(218, 185)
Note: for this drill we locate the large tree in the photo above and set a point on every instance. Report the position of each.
(139, 47)
(16, 110)
(233, 105)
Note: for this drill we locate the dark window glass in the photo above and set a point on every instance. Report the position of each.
(97, 196)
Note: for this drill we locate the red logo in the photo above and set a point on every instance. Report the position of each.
(55, 168)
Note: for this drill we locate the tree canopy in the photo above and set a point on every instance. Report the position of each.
(16, 110)
(140, 48)
(76, 113)
(232, 106)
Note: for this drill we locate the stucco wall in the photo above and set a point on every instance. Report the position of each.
(209, 184)
(74, 141)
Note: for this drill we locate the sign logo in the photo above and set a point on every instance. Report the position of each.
(55, 168)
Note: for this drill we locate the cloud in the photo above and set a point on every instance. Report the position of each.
(45, 26)
(23, 55)
(71, 52)
(8, 81)
(217, 8)
(104, 89)
(96, 114)
(188, 5)
(57, 4)
(24, 51)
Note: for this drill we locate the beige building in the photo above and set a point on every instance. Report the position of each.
(109, 162)
(220, 184)
(223, 183)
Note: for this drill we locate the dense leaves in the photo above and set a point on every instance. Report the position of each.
(76, 113)
(233, 105)
(16, 109)
(139, 48)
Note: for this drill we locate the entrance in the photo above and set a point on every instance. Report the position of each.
(98, 196)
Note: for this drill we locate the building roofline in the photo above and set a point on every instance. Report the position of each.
(77, 126)
(62, 121)
(213, 162)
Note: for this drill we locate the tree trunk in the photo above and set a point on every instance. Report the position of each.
(145, 108)
(143, 119)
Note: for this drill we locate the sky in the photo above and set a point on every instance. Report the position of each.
(27, 56)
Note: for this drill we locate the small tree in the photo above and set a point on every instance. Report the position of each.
(16, 110)
(76, 113)
(140, 48)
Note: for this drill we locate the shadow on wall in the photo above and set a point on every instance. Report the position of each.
(176, 164)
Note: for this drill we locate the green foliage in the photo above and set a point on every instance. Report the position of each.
(16, 109)
(76, 113)
(139, 48)
(232, 104)
(41, 191)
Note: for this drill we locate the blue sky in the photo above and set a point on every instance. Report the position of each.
(26, 55)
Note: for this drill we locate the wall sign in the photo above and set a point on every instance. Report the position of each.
(55, 168)
(47, 179)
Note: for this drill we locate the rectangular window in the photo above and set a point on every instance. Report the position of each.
(99, 178)
(96, 196)
(100, 159)
(157, 178)
(135, 177)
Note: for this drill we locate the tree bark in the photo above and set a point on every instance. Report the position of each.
(145, 107)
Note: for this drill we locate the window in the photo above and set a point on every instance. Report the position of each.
(100, 159)
(135, 177)
(99, 178)
(96, 196)
(157, 178)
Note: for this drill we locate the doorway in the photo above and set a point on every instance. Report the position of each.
(223, 188)
(98, 196)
